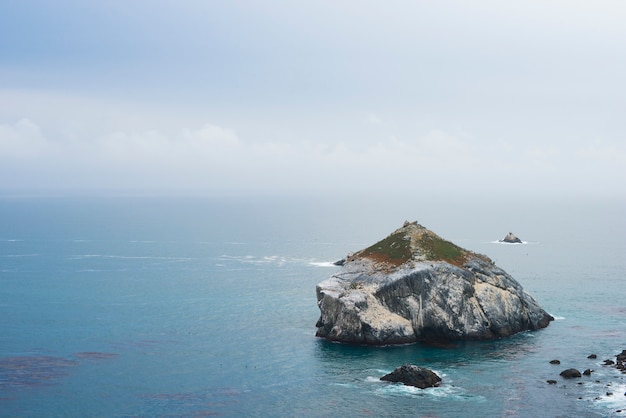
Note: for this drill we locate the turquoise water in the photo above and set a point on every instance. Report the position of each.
(124, 306)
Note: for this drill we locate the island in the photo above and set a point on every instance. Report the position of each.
(511, 239)
(415, 286)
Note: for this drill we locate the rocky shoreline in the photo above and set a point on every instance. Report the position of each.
(573, 375)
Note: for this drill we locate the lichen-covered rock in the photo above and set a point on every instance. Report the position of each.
(411, 375)
(414, 286)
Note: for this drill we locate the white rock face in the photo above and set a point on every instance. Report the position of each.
(415, 286)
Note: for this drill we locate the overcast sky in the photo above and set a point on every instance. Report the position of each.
(273, 96)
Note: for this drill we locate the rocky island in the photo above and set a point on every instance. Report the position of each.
(415, 286)
(510, 238)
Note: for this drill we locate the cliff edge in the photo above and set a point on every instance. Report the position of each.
(415, 286)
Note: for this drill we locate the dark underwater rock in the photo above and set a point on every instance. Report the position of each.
(411, 375)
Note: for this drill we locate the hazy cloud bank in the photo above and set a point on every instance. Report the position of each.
(212, 157)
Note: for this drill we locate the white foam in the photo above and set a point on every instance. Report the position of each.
(615, 401)
(322, 263)
(514, 243)
(444, 392)
(278, 260)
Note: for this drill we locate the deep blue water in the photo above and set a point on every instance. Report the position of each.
(145, 306)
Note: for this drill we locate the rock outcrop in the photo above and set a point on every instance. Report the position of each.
(411, 375)
(415, 286)
(511, 239)
(570, 373)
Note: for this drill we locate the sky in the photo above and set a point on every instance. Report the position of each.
(482, 97)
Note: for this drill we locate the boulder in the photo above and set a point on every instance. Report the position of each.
(415, 286)
(570, 373)
(511, 239)
(412, 375)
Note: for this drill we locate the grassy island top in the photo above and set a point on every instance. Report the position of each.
(413, 242)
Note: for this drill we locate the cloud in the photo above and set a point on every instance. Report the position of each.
(69, 142)
(208, 143)
(22, 140)
(212, 157)
(602, 152)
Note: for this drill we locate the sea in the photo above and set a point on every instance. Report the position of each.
(143, 305)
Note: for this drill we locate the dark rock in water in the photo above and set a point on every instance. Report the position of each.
(415, 286)
(608, 362)
(570, 373)
(592, 356)
(342, 261)
(587, 372)
(555, 362)
(551, 382)
(511, 239)
(621, 356)
(412, 375)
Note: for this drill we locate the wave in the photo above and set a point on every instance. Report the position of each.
(132, 257)
(612, 397)
(514, 243)
(616, 399)
(445, 392)
(274, 260)
(322, 263)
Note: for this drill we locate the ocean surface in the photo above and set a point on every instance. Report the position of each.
(197, 306)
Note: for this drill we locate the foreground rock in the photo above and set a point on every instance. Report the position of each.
(412, 375)
(511, 239)
(570, 373)
(414, 286)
